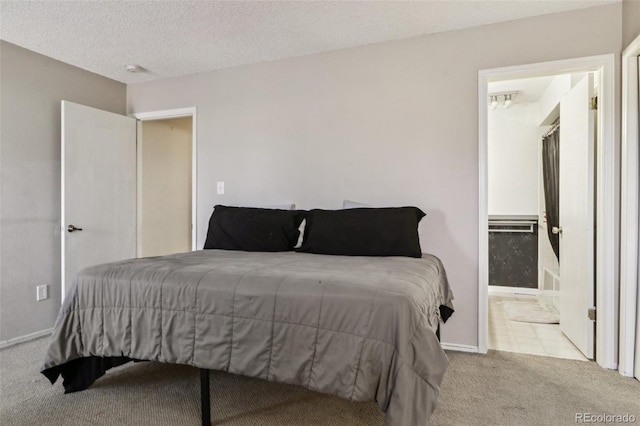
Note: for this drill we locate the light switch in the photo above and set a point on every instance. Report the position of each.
(220, 188)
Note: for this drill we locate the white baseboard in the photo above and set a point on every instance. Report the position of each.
(494, 289)
(459, 348)
(25, 338)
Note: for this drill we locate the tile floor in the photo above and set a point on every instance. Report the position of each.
(528, 338)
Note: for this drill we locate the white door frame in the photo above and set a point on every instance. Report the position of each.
(178, 113)
(629, 208)
(606, 277)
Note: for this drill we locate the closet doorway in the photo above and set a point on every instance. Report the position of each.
(165, 183)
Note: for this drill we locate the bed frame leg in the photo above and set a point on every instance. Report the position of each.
(204, 397)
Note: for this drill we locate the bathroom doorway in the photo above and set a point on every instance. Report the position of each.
(524, 136)
(531, 224)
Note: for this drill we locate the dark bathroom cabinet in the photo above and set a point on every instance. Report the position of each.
(513, 251)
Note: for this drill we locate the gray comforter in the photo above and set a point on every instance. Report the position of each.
(362, 328)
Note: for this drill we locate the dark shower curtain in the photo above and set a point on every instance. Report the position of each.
(550, 176)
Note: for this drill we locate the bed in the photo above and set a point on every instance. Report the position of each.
(359, 327)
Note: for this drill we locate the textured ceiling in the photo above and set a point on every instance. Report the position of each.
(171, 38)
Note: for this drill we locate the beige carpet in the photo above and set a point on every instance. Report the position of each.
(496, 389)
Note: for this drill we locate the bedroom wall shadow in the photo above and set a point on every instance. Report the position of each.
(453, 257)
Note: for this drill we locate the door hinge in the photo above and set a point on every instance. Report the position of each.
(591, 313)
(594, 102)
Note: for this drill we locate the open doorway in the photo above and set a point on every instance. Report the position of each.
(541, 152)
(166, 185)
(603, 183)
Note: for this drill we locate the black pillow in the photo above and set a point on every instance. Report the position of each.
(391, 231)
(253, 229)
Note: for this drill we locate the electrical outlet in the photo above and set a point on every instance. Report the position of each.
(42, 292)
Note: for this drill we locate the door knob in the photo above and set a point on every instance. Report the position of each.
(72, 228)
(556, 230)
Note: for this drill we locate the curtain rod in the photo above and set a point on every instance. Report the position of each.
(555, 126)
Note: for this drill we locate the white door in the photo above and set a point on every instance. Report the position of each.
(98, 188)
(576, 195)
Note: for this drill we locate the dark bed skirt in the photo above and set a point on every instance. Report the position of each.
(80, 373)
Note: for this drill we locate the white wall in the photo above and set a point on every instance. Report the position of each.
(391, 123)
(513, 160)
(550, 101)
(164, 187)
